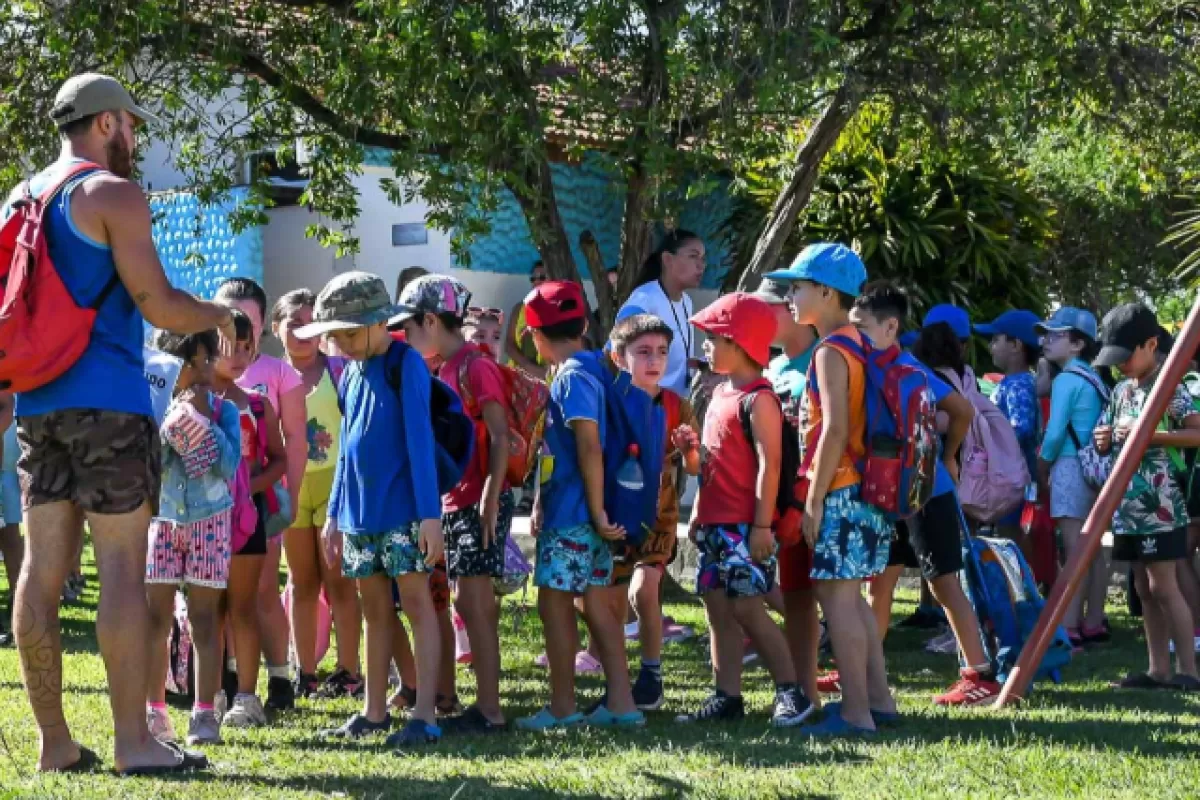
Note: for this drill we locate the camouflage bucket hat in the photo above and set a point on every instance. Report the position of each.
(351, 300)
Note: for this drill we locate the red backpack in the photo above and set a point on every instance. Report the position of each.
(526, 413)
(43, 331)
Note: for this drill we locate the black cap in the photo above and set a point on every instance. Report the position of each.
(1124, 329)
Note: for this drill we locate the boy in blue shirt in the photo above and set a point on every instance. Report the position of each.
(932, 539)
(573, 532)
(385, 511)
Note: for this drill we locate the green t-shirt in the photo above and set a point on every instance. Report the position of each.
(787, 376)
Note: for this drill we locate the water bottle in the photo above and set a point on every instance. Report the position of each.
(630, 475)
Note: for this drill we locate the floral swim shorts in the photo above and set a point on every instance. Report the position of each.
(725, 562)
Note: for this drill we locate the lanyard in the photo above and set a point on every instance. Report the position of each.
(684, 330)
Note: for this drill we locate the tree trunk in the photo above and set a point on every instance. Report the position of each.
(636, 234)
(550, 235)
(795, 196)
(604, 294)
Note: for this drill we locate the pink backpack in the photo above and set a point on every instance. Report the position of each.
(993, 473)
(243, 516)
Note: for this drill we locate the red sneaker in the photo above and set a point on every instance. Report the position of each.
(971, 690)
(829, 683)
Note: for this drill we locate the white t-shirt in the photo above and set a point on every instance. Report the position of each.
(649, 298)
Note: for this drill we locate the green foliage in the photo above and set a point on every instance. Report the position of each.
(962, 233)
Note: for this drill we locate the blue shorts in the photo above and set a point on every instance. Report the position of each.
(725, 563)
(10, 498)
(572, 559)
(393, 553)
(854, 541)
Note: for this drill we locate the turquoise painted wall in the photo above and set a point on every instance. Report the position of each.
(179, 239)
(590, 197)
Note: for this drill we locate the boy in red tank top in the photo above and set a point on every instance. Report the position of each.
(731, 521)
(850, 539)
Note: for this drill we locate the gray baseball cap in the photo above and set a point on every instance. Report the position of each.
(92, 93)
(351, 300)
(773, 291)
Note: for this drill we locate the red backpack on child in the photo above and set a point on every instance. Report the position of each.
(43, 331)
(525, 412)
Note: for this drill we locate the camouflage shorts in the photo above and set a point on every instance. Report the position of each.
(106, 462)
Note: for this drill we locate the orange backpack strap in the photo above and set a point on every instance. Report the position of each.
(671, 405)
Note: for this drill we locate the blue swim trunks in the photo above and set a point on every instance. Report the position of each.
(572, 559)
(725, 562)
(393, 553)
(854, 541)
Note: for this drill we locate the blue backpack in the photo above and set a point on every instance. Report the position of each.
(453, 430)
(632, 417)
(901, 447)
(1005, 596)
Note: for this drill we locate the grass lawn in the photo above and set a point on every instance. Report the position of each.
(1080, 739)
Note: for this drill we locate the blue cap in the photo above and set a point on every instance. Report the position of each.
(829, 264)
(1016, 324)
(909, 338)
(1069, 318)
(953, 316)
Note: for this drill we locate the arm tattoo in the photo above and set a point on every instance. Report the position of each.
(141, 297)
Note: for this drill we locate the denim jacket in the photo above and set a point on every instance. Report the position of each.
(185, 499)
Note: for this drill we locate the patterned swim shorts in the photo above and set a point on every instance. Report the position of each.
(393, 553)
(854, 541)
(725, 563)
(572, 559)
(656, 550)
(106, 462)
(192, 552)
(465, 555)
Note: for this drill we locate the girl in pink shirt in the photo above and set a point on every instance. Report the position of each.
(285, 390)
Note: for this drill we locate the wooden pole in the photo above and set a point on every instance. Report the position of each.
(1102, 512)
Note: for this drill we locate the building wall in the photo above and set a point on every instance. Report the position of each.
(197, 245)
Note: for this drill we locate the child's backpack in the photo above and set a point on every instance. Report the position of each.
(43, 331)
(790, 496)
(181, 666)
(1005, 596)
(635, 429)
(243, 516)
(994, 472)
(901, 446)
(516, 570)
(453, 430)
(278, 500)
(525, 412)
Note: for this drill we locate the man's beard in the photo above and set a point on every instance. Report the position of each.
(120, 159)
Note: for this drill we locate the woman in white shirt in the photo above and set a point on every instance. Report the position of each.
(676, 266)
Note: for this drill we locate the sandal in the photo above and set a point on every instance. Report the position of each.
(87, 761)
(1140, 680)
(189, 760)
(448, 706)
(1184, 683)
(404, 698)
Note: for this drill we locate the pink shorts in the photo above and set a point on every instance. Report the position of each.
(192, 552)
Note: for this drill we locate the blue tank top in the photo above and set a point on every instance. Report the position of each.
(110, 374)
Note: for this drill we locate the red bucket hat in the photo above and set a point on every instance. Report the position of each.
(745, 319)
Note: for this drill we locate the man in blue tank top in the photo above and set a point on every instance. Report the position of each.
(89, 443)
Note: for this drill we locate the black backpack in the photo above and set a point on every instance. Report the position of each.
(789, 463)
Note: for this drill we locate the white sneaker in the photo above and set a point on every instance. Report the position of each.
(945, 644)
(159, 723)
(204, 728)
(247, 712)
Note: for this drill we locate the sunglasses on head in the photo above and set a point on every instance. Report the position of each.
(476, 312)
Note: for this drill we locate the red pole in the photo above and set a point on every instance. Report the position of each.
(1102, 512)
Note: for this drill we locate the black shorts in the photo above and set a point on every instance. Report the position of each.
(1152, 547)
(466, 557)
(932, 540)
(256, 545)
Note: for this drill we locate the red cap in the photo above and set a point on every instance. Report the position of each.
(745, 319)
(552, 302)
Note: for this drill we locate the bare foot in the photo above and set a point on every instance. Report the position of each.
(60, 755)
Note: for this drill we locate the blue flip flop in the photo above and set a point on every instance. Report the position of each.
(883, 719)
